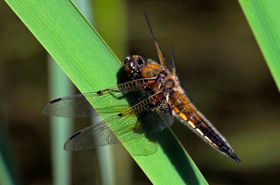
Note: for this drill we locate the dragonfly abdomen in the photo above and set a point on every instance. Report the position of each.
(190, 116)
(200, 125)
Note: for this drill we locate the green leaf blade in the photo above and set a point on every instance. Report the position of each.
(263, 17)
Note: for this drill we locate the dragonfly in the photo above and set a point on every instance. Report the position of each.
(162, 93)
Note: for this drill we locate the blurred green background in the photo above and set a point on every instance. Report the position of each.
(218, 62)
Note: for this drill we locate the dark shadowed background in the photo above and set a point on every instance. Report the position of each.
(218, 61)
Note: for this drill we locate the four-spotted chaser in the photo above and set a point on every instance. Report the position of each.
(163, 94)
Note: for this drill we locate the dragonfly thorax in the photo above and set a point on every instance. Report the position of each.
(166, 82)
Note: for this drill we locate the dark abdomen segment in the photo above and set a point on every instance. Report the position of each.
(188, 114)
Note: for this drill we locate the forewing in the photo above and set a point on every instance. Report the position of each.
(162, 58)
(106, 101)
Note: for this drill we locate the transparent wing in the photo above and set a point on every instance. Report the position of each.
(106, 100)
(162, 58)
(125, 124)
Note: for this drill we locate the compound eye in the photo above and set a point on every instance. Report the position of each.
(126, 60)
(140, 61)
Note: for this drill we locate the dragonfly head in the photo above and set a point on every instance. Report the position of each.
(134, 65)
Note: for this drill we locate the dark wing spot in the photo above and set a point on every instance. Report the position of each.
(99, 92)
(74, 135)
(55, 100)
(120, 114)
